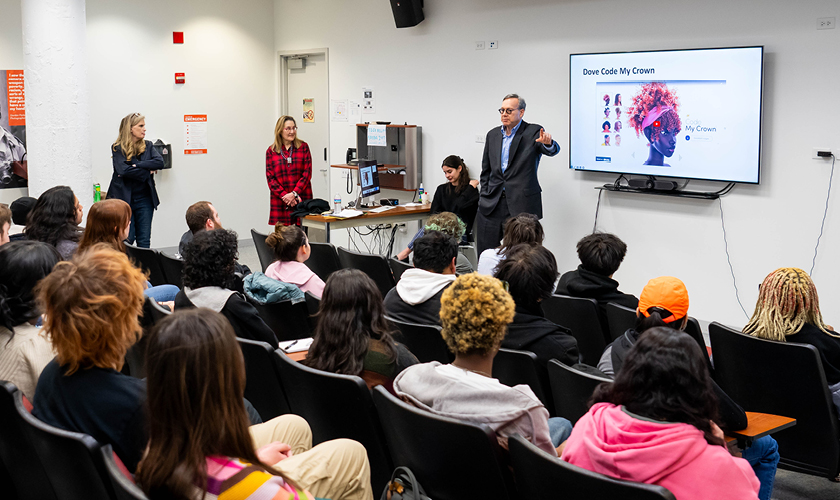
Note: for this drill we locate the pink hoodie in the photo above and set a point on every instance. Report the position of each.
(296, 273)
(609, 441)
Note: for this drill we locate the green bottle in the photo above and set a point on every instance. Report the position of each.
(97, 194)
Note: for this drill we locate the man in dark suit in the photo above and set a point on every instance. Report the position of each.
(509, 183)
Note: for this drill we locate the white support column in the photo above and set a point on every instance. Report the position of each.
(57, 108)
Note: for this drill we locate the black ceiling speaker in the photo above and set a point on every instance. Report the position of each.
(407, 13)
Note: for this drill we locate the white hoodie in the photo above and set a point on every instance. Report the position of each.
(417, 285)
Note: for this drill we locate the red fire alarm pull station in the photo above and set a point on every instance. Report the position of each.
(177, 37)
(180, 78)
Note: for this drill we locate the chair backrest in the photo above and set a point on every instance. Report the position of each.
(17, 455)
(375, 266)
(323, 260)
(262, 379)
(571, 389)
(513, 367)
(581, 317)
(72, 461)
(620, 319)
(264, 252)
(148, 260)
(424, 341)
(135, 357)
(288, 321)
(398, 267)
(692, 328)
(450, 458)
(173, 269)
(313, 305)
(540, 476)
(124, 488)
(782, 378)
(337, 406)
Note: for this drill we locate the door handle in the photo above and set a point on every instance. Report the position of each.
(323, 170)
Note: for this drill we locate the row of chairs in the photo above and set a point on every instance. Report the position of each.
(452, 459)
(39, 461)
(162, 269)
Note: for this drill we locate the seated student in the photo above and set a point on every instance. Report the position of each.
(199, 439)
(352, 336)
(788, 308)
(475, 312)
(5, 223)
(291, 250)
(451, 224)
(416, 298)
(656, 424)
(202, 216)
(664, 304)
(600, 255)
(109, 222)
(20, 211)
(530, 272)
(520, 229)
(55, 219)
(91, 307)
(208, 281)
(24, 351)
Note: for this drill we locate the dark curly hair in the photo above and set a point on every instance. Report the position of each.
(53, 218)
(351, 314)
(665, 378)
(650, 96)
(22, 265)
(210, 258)
(530, 272)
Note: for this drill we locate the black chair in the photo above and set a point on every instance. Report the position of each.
(323, 260)
(581, 317)
(263, 387)
(375, 266)
(620, 319)
(313, 305)
(571, 390)
(25, 472)
(782, 378)
(124, 488)
(692, 328)
(135, 357)
(72, 461)
(513, 367)
(540, 476)
(264, 252)
(450, 458)
(424, 341)
(398, 267)
(173, 269)
(148, 260)
(288, 321)
(337, 406)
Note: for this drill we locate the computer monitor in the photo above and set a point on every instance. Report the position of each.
(368, 178)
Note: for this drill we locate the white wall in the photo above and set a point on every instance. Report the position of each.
(230, 73)
(11, 57)
(432, 76)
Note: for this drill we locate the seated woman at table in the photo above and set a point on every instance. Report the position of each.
(655, 424)
(291, 250)
(352, 336)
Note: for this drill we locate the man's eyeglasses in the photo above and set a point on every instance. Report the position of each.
(506, 111)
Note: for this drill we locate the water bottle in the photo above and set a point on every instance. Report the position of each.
(97, 193)
(420, 192)
(337, 203)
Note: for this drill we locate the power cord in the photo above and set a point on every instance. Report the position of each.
(597, 209)
(825, 214)
(728, 260)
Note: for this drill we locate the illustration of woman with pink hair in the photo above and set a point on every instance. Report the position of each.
(654, 112)
(606, 99)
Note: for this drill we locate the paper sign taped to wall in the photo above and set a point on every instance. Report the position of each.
(195, 134)
(309, 110)
(376, 135)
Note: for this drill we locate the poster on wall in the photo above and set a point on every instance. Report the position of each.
(338, 110)
(195, 134)
(13, 164)
(309, 110)
(368, 101)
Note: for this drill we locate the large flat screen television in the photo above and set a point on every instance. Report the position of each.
(692, 114)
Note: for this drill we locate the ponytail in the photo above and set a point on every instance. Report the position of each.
(655, 319)
(286, 241)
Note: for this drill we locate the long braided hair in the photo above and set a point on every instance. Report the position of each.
(787, 300)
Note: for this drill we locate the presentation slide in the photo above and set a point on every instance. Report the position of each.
(693, 114)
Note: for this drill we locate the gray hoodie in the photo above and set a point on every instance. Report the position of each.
(452, 392)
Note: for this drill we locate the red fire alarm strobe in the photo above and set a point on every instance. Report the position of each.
(177, 37)
(180, 78)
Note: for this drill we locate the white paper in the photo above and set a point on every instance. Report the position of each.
(299, 345)
(376, 135)
(339, 110)
(348, 213)
(412, 204)
(195, 134)
(368, 100)
(355, 111)
(381, 209)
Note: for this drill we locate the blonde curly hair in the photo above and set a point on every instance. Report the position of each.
(475, 312)
(787, 299)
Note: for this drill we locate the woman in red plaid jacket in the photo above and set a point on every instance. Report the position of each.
(288, 170)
